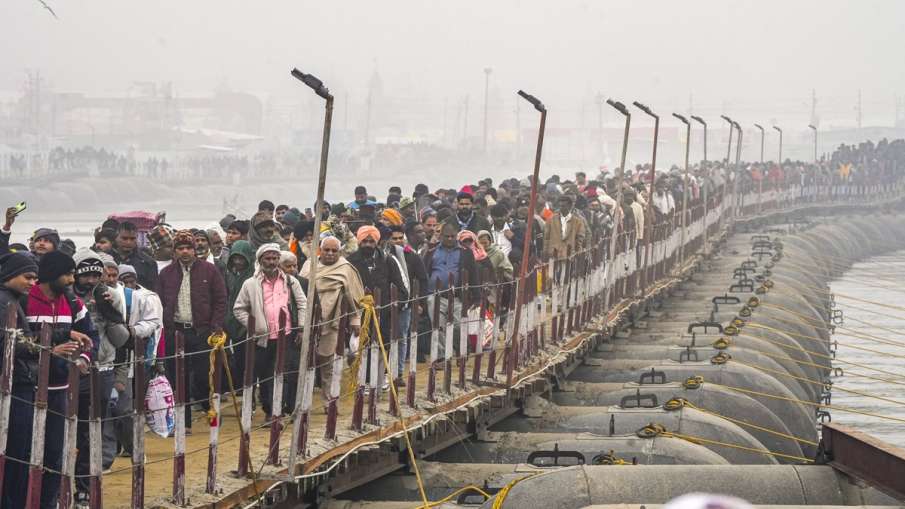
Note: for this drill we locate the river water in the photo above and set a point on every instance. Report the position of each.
(873, 304)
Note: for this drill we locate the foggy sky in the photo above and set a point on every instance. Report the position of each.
(739, 55)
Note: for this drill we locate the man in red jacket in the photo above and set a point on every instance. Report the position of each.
(193, 295)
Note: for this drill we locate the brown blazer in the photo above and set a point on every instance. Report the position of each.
(557, 243)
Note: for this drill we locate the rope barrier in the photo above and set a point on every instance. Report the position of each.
(653, 429)
(809, 403)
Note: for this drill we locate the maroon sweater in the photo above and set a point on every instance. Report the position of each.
(208, 295)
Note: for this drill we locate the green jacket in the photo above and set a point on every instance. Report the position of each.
(234, 283)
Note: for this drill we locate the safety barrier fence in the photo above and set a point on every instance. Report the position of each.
(478, 335)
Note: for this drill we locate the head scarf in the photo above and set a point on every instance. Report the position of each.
(367, 231)
(476, 249)
(393, 216)
(183, 238)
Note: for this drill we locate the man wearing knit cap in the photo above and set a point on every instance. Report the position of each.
(107, 314)
(44, 241)
(18, 275)
(193, 295)
(74, 340)
(270, 296)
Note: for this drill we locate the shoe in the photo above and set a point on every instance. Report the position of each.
(400, 382)
(188, 431)
(125, 454)
(81, 500)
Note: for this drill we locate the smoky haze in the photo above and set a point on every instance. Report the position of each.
(766, 61)
(739, 52)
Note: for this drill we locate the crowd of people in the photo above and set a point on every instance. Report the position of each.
(148, 283)
(92, 161)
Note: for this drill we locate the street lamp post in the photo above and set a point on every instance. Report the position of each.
(617, 210)
(306, 380)
(814, 128)
(728, 147)
(729, 162)
(780, 145)
(684, 189)
(650, 202)
(738, 162)
(706, 174)
(779, 157)
(487, 71)
(512, 346)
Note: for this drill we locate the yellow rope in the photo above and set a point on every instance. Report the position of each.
(817, 382)
(216, 342)
(809, 403)
(369, 315)
(750, 425)
(456, 493)
(659, 429)
(847, 345)
(504, 492)
(820, 366)
(847, 330)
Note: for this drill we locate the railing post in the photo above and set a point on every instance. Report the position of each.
(450, 335)
(95, 441)
(479, 341)
(179, 397)
(39, 423)
(6, 377)
(464, 328)
(413, 342)
(214, 425)
(70, 438)
(395, 352)
(435, 344)
(336, 382)
(139, 386)
(276, 406)
(375, 361)
(497, 321)
(248, 388)
(307, 387)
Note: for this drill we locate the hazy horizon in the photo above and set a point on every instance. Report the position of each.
(758, 60)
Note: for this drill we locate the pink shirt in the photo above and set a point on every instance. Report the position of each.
(276, 299)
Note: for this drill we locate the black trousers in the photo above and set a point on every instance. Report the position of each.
(82, 439)
(265, 364)
(197, 365)
(18, 447)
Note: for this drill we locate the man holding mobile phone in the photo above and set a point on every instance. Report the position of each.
(6, 231)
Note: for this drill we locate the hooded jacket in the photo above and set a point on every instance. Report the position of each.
(255, 238)
(112, 331)
(234, 284)
(64, 314)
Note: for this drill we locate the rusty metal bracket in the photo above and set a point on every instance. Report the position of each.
(864, 457)
(638, 400)
(744, 286)
(653, 375)
(555, 455)
(705, 325)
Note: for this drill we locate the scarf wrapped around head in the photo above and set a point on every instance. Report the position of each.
(393, 216)
(183, 238)
(476, 249)
(367, 231)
